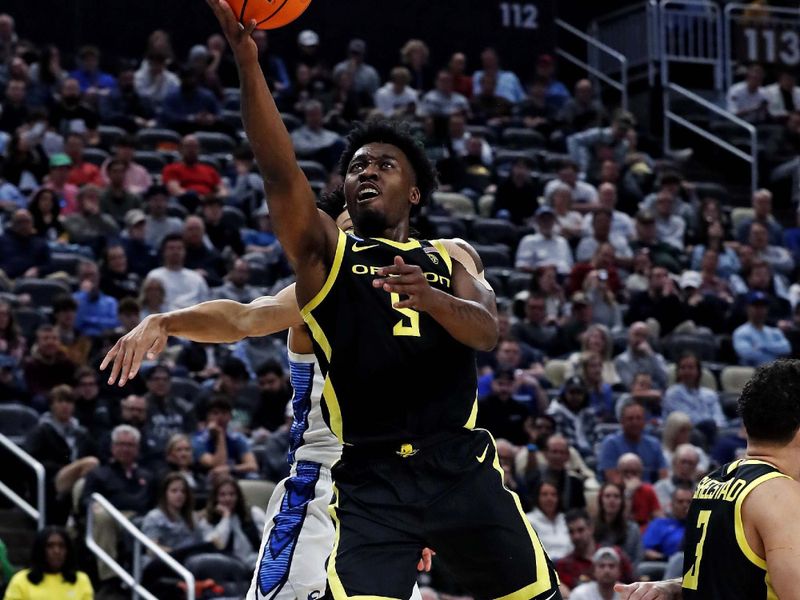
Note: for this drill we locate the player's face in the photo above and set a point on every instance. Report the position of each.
(380, 188)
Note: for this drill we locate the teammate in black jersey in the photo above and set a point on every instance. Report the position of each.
(396, 323)
(743, 531)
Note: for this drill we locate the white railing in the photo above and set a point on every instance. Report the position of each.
(671, 117)
(622, 31)
(594, 45)
(36, 513)
(139, 540)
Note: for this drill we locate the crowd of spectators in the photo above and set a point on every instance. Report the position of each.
(628, 296)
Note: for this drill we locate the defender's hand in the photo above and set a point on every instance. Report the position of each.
(425, 562)
(148, 339)
(650, 590)
(406, 280)
(239, 36)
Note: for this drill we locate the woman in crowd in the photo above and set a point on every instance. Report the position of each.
(171, 524)
(678, 430)
(152, 297)
(179, 459)
(545, 282)
(597, 338)
(415, 55)
(728, 261)
(53, 572)
(116, 279)
(549, 522)
(12, 342)
(612, 527)
(45, 211)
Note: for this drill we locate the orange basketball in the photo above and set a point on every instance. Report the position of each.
(270, 14)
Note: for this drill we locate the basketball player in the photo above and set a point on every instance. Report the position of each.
(743, 532)
(395, 323)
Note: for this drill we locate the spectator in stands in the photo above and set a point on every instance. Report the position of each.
(92, 80)
(15, 108)
(678, 430)
(309, 55)
(584, 195)
(116, 200)
(544, 247)
(791, 236)
(621, 224)
(515, 198)
(596, 339)
(53, 570)
(220, 451)
(607, 570)
(575, 419)
(81, 172)
(747, 99)
(776, 257)
(312, 141)
(47, 366)
(670, 228)
(500, 412)
(762, 213)
(758, 278)
(580, 318)
(397, 99)
(223, 235)
(612, 525)
(755, 342)
(171, 523)
(167, 413)
(65, 450)
(661, 254)
(536, 330)
(457, 66)
(183, 286)
(129, 314)
(569, 223)
(730, 447)
(45, 77)
(601, 233)
(201, 257)
(22, 253)
(713, 252)
(247, 187)
(688, 396)
(191, 107)
(140, 255)
(487, 106)
(660, 302)
(365, 77)
(640, 495)
(159, 224)
(75, 345)
(683, 471)
(783, 95)
(137, 180)
(605, 308)
(557, 93)
(534, 111)
(236, 286)
(13, 344)
(576, 567)
(603, 259)
(415, 55)
(97, 312)
(345, 105)
(631, 439)
(570, 486)
(124, 107)
(124, 484)
(89, 226)
(583, 110)
(639, 357)
(232, 526)
(548, 521)
(601, 397)
(664, 536)
(133, 412)
(178, 459)
(116, 278)
(591, 147)
(442, 101)
(507, 83)
(153, 81)
(25, 162)
(92, 411)
(189, 180)
(70, 113)
(152, 297)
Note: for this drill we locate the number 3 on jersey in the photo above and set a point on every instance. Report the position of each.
(400, 328)
(691, 578)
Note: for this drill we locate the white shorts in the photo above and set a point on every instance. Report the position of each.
(298, 538)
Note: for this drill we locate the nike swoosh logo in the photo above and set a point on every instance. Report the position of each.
(357, 248)
(482, 457)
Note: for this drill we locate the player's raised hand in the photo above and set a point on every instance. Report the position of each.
(239, 36)
(406, 280)
(650, 590)
(147, 339)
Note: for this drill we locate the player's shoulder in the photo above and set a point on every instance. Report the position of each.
(458, 247)
(772, 499)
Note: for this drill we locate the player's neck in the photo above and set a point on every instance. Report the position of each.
(396, 233)
(784, 458)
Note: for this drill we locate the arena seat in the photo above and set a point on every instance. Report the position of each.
(290, 121)
(733, 378)
(257, 492)
(739, 215)
(518, 281)
(520, 138)
(16, 420)
(234, 217)
(494, 231)
(154, 162)
(494, 255)
(651, 570)
(157, 137)
(29, 319)
(702, 346)
(186, 388)
(455, 204)
(213, 141)
(41, 291)
(109, 134)
(485, 205)
(68, 263)
(448, 227)
(313, 170)
(228, 572)
(487, 133)
(95, 156)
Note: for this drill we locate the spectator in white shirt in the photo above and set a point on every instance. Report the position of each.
(584, 195)
(313, 141)
(507, 86)
(606, 571)
(783, 96)
(396, 98)
(153, 81)
(601, 232)
(670, 228)
(183, 286)
(621, 224)
(747, 98)
(545, 247)
(569, 223)
(459, 136)
(442, 101)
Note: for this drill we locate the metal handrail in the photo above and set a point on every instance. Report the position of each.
(621, 86)
(139, 540)
(751, 157)
(38, 513)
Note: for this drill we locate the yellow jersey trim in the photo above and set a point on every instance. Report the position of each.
(331, 279)
(741, 539)
(444, 253)
(328, 393)
(409, 245)
(473, 415)
(334, 581)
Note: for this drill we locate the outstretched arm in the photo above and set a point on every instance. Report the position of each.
(217, 321)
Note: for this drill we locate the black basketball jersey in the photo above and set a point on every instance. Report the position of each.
(391, 375)
(718, 562)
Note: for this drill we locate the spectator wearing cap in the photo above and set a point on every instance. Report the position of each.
(159, 224)
(556, 92)
(81, 172)
(309, 55)
(183, 286)
(583, 110)
(758, 277)
(70, 113)
(584, 195)
(57, 180)
(89, 226)
(762, 213)
(660, 302)
(706, 299)
(141, 256)
(621, 224)
(312, 141)
(633, 440)
(661, 254)
(236, 286)
(397, 99)
(22, 253)
(507, 83)
(137, 180)
(89, 75)
(515, 197)
(544, 247)
(189, 180)
(500, 413)
(587, 147)
(575, 419)
(606, 571)
(747, 99)
(223, 236)
(75, 345)
(97, 312)
(220, 451)
(776, 257)
(664, 536)
(365, 77)
(442, 101)
(639, 357)
(116, 200)
(153, 81)
(191, 107)
(755, 342)
(201, 256)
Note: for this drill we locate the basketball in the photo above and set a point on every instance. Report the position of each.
(269, 14)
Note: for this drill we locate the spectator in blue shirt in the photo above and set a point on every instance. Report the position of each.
(664, 536)
(191, 107)
(22, 253)
(631, 439)
(97, 312)
(700, 403)
(223, 452)
(755, 342)
(89, 75)
(507, 86)
(557, 93)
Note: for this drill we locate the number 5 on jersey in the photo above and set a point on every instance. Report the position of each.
(400, 328)
(691, 578)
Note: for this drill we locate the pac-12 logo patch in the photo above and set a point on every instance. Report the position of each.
(431, 254)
